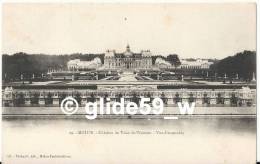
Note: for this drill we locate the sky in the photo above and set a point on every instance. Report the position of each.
(189, 30)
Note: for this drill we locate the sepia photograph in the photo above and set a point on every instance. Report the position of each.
(133, 83)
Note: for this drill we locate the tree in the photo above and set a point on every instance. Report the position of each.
(174, 59)
(243, 64)
(29, 64)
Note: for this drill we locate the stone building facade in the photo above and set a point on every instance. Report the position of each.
(77, 64)
(128, 59)
(199, 64)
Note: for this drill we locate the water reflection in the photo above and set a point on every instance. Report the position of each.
(218, 140)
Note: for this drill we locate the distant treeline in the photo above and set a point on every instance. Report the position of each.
(28, 64)
(242, 63)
